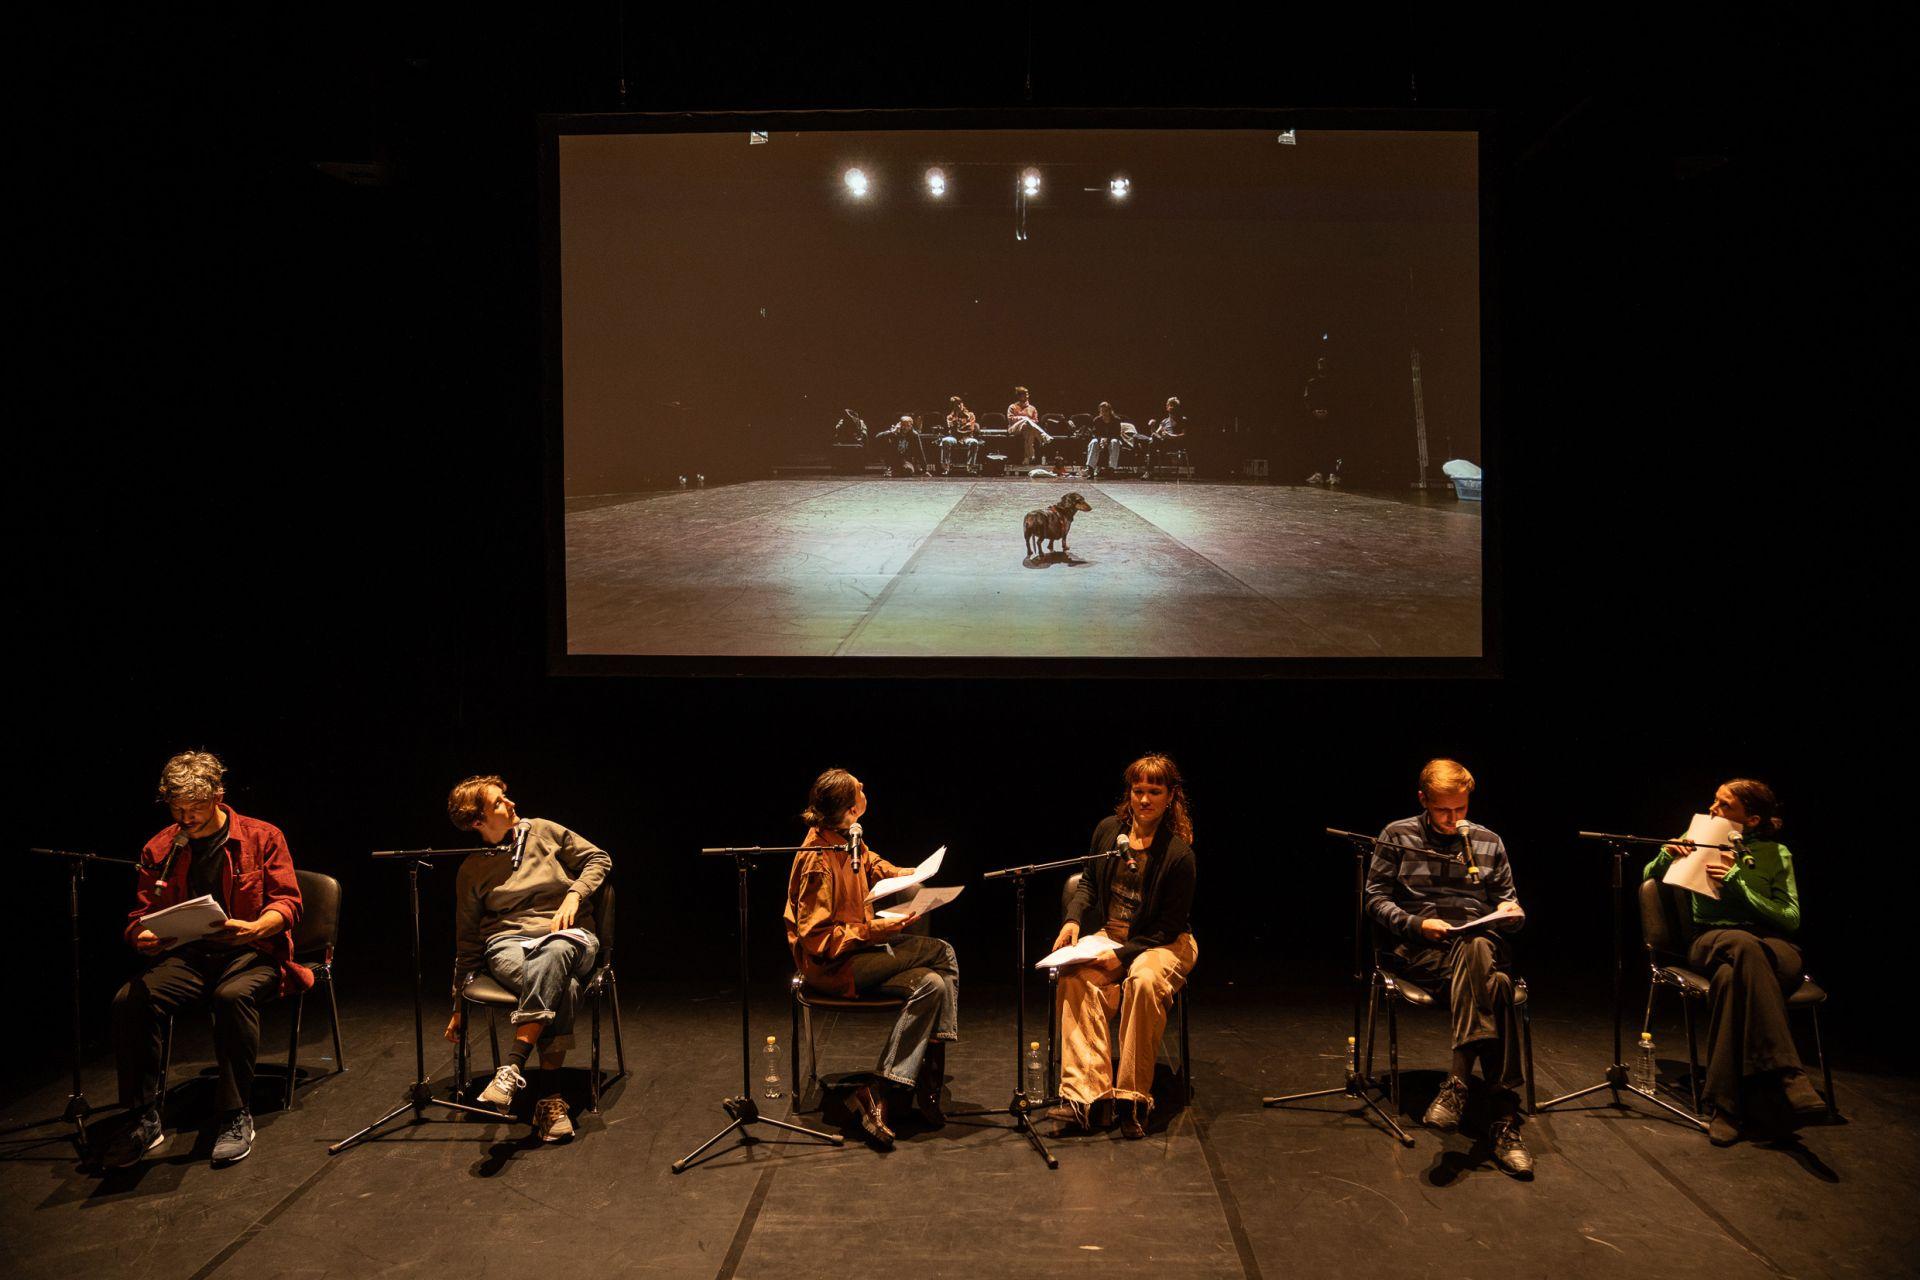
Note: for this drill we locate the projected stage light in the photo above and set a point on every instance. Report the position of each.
(1030, 182)
(1119, 187)
(936, 182)
(856, 183)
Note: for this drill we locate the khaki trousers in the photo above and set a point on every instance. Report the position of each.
(1089, 999)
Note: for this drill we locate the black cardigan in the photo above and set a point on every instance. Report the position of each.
(1167, 902)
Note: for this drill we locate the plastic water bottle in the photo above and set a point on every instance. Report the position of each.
(1644, 1075)
(1036, 1072)
(770, 1083)
(1353, 1058)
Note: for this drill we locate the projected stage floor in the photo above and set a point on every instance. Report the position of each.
(929, 568)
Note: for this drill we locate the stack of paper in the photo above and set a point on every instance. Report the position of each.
(1091, 947)
(1690, 871)
(190, 921)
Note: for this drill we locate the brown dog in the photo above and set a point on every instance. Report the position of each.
(1050, 524)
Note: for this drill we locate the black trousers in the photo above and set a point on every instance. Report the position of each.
(235, 983)
(1477, 970)
(1751, 978)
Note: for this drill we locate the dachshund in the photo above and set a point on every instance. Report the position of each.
(1050, 524)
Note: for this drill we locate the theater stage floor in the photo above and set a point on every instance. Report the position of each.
(927, 568)
(1220, 1188)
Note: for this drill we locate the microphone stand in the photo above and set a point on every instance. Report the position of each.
(1021, 1107)
(419, 1095)
(743, 1110)
(1616, 1077)
(1359, 1085)
(77, 1109)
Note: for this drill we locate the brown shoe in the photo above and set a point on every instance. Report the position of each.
(1801, 1095)
(550, 1120)
(1070, 1120)
(1724, 1131)
(873, 1116)
(1133, 1120)
(926, 1089)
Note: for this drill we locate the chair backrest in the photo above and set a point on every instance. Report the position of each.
(1662, 926)
(1067, 891)
(319, 926)
(992, 420)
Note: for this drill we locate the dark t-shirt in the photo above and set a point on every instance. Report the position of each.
(206, 877)
(1129, 892)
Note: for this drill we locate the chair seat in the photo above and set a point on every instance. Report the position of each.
(820, 1000)
(484, 990)
(1808, 992)
(1415, 994)
(1688, 981)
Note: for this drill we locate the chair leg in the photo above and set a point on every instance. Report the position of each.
(166, 1066)
(806, 1095)
(333, 1021)
(1526, 1048)
(593, 1067)
(793, 1052)
(619, 1049)
(1373, 1012)
(1186, 1053)
(1826, 1072)
(1693, 1055)
(1393, 1053)
(293, 1049)
(493, 1034)
(460, 1064)
(1646, 1023)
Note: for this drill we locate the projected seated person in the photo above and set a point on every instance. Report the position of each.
(243, 864)
(851, 429)
(900, 441)
(1172, 426)
(1323, 436)
(1023, 424)
(1141, 900)
(524, 916)
(963, 430)
(841, 949)
(1104, 435)
(1436, 870)
(1755, 1080)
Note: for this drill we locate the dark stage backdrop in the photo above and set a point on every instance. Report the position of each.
(289, 509)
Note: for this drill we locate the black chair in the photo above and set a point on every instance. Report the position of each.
(1183, 1071)
(314, 939)
(599, 986)
(1669, 933)
(807, 1094)
(1395, 988)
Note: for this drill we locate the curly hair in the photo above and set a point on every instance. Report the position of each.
(467, 802)
(192, 775)
(1161, 771)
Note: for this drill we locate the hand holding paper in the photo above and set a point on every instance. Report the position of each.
(1691, 871)
(1091, 947)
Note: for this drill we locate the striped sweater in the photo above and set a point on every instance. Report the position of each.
(1428, 874)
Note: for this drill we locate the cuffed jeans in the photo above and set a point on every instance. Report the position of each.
(234, 983)
(1112, 445)
(971, 444)
(545, 981)
(1476, 969)
(925, 972)
(1090, 997)
(1750, 979)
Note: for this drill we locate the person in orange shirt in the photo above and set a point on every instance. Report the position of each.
(1023, 423)
(840, 949)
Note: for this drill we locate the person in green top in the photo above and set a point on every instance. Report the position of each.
(1741, 941)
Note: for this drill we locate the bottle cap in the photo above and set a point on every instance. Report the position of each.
(1349, 1042)
(771, 1039)
(1034, 1045)
(1645, 1036)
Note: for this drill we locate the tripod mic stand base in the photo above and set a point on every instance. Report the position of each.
(1019, 1110)
(742, 1111)
(419, 1097)
(1619, 1080)
(1359, 1088)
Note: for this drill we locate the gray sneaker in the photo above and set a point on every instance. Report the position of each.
(236, 1138)
(506, 1083)
(1444, 1113)
(1509, 1152)
(127, 1149)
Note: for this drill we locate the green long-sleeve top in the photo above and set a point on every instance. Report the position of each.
(1759, 890)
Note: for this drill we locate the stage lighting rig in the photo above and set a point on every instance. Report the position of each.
(936, 182)
(1030, 182)
(1120, 187)
(856, 181)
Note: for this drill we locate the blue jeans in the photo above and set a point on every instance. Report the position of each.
(926, 972)
(546, 980)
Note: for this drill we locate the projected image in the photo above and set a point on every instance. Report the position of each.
(1018, 395)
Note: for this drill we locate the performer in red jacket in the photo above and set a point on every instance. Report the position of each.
(244, 865)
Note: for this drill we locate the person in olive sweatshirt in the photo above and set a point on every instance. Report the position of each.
(1742, 943)
(524, 916)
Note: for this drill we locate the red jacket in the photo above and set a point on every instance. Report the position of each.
(258, 877)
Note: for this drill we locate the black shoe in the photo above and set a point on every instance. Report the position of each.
(926, 1089)
(1509, 1152)
(133, 1144)
(1801, 1095)
(235, 1142)
(1444, 1113)
(1724, 1131)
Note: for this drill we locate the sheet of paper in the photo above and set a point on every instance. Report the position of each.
(1488, 921)
(919, 875)
(1690, 870)
(923, 899)
(189, 921)
(1091, 947)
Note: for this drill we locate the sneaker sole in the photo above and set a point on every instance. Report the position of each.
(225, 1161)
(139, 1155)
(493, 1099)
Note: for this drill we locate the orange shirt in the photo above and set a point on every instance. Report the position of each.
(828, 915)
(1027, 411)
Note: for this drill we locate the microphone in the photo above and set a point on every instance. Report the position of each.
(1124, 844)
(853, 844)
(166, 868)
(1465, 829)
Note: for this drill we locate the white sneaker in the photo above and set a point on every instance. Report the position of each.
(550, 1120)
(1316, 478)
(507, 1082)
